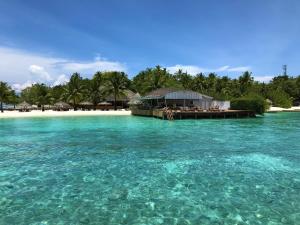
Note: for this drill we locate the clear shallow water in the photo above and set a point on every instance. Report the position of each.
(134, 170)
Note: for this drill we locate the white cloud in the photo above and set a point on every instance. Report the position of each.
(40, 72)
(19, 87)
(264, 79)
(19, 68)
(91, 67)
(193, 70)
(239, 69)
(62, 79)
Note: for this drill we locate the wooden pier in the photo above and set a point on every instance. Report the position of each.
(179, 114)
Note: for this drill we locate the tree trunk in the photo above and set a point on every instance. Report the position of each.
(74, 105)
(115, 102)
(1, 107)
(43, 108)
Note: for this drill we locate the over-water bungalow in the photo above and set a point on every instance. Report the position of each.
(170, 103)
(176, 98)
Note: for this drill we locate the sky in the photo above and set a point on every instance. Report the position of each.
(47, 41)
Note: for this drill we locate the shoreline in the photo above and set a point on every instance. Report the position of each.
(279, 109)
(51, 113)
(71, 113)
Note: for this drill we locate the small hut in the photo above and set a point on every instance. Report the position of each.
(61, 106)
(24, 107)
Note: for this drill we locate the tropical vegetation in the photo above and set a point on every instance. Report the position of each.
(242, 91)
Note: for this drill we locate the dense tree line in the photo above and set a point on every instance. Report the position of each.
(281, 90)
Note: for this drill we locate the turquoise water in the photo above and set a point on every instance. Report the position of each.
(135, 170)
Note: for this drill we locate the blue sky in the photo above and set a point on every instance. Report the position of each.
(45, 41)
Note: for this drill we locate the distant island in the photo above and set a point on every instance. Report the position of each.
(114, 90)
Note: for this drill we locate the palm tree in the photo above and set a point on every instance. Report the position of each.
(4, 94)
(96, 88)
(75, 89)
(13, 98)
(42, 95)
(118, 82)
(200, 83)
(158, 78)
(184, 79)
(245, 81)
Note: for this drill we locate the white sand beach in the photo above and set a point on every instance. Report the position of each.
(279, 109)
(50, 113)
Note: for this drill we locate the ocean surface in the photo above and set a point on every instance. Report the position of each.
(135, 170)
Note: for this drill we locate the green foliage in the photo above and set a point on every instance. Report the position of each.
(117, 83)
(38, 94)
(74, 90)
(282, 90)
(280, 98)
(96, 88)
(13, 98)
(153, 78)
(42, 96)
(57, 93)
(254, 103)
(5, 92)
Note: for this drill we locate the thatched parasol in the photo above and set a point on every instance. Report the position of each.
(104, 103)
(85, 103)
(34, 107)
(24, 105)
(62, 105)
(123, 97)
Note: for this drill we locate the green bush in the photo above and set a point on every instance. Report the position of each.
(254, 103)
(280, 98)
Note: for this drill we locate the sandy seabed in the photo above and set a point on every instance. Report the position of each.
(50, 113)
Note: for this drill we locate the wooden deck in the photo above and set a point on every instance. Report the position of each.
(177, 114)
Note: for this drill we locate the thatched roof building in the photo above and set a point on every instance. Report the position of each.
(135, 100)
(177, 98)
(125, 97)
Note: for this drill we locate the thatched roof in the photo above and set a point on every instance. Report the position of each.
(173, 93)
(85, 103)
(135, 100)
(62, 105)
(128, 94)
(104, 103)
(23, 105)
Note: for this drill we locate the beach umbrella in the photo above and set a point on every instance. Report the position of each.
(48, 106)
(85, 103)
(62, 105)
(24, 105)
(104, 103)
(34, 107)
